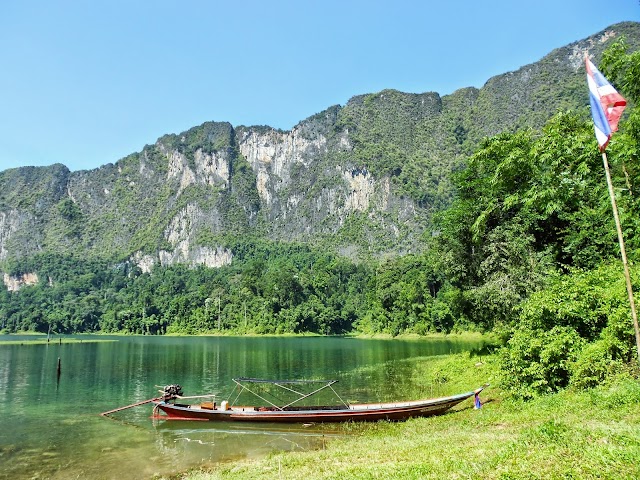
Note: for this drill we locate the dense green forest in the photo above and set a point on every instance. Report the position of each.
(527, 249)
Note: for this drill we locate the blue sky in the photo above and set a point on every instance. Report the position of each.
(85, 83)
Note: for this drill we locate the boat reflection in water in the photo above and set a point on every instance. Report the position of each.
(174, 439)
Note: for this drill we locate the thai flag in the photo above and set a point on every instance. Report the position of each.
(606, 105)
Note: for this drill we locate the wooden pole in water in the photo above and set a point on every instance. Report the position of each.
(623, 253)
(59, 370)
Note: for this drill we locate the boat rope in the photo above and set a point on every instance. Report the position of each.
(303, 396)
(244, 387)
(339, 397)
(236, 399)
(284, 385)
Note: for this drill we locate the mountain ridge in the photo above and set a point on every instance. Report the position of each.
(363, 179)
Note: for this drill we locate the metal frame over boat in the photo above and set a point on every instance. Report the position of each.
(290, 412)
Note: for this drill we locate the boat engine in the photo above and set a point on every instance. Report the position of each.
(171, 391)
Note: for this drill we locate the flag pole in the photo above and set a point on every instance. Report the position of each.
(623, 253)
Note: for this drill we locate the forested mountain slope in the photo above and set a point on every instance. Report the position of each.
(364, 178)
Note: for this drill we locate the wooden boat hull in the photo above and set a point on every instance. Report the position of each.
(357, 413)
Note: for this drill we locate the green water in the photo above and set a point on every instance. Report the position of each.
(50, 426)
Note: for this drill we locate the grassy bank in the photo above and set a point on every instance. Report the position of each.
(586, 435)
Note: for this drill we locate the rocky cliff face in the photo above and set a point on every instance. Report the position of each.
(15, 283)
(363, 179)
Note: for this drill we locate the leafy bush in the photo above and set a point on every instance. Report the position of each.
(594, 364)
(585, 300)
(607, 357)
(538, 362)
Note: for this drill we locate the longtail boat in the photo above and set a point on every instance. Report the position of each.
(293, 412)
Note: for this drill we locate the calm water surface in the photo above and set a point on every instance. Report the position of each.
(50, 427)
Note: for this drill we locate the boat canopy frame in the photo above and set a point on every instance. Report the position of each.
(287, 385)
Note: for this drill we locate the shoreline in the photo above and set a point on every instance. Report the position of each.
(359, 335)
(590, 434)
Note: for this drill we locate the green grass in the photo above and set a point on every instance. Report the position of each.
(585, 435)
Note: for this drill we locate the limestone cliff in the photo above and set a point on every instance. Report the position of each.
(362, 179)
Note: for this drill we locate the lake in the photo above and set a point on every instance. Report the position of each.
(50, 425)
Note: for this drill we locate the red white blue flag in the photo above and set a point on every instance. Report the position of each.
(606, 105)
